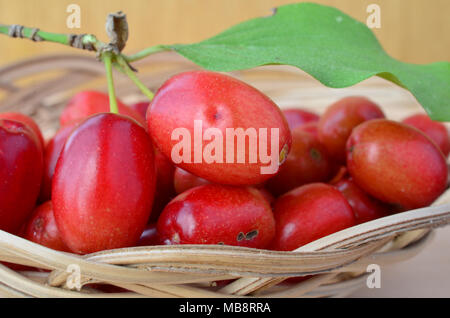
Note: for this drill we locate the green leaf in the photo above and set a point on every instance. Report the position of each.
(326, 43)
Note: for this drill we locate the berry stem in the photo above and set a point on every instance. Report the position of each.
(82, 41)
(123, 65)
(107, 60)
(109, 53)
(146, 52)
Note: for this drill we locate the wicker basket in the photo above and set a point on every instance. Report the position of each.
(40, 87)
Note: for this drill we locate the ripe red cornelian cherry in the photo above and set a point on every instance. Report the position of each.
(268, 196)
(364, 206)
(336, 124)
(164, 191)
(141, 108)
(51, 155)
(396, 163)
(149, 236)
(184, 180)
(340, 174)
(21, 164)
(217, 214)
(104, 184)
(297, 117)
(41, 228)
(222, 103)
(308, 213)
(27, 120)
(311, 127)
(435, 130)
(307, 162)
(87, 103)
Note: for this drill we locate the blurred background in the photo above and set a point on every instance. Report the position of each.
(414, 31)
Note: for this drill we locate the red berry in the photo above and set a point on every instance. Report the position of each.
(104, 184)
(21, 165)
(396, 163)
(184, 180)
(51, 155)
(268, 196)
(435, 130)
(307, 162)
(165, 190)
(216, 214)
(41, 228)
(364, 207)
(340, 174)
(150, 236)
(336, 124)
(311, 127)
(192, 103)
(308, 213)
(27, 120)
(87, 103)
(140, 108)
(298, 117)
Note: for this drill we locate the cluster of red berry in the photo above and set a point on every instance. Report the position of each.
(108, 181)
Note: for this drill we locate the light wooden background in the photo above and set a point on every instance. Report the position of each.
(415, 31)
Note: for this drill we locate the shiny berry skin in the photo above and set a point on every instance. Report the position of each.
(87, 103)
(308, 213)
(21, 164)
(51, 155)
(216, 214)
(336, 124)
(307, 162)
(41, 228)
(268, 196)
(297, 117)
(104, 184)
(311, 127)
(216, 101)
(396, 163)
(165, 190)
(340, 174)
(27, 120)
(150, 236)
(364, 206)
(435, 130)
(184, 180)
(140, 108)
